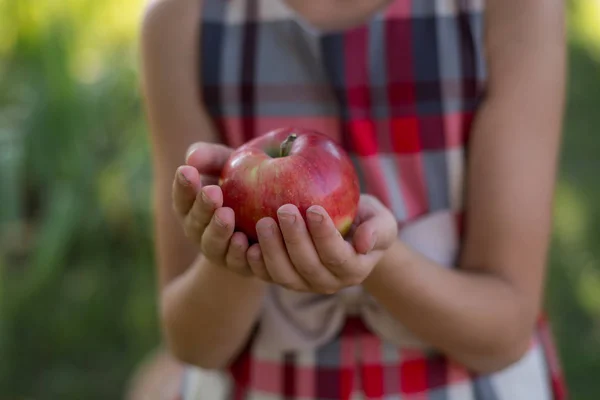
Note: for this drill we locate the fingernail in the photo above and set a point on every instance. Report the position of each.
(204, 197)
(190, 151)
(266, 230)
(254, 253)
(219, 221)
(287, 217)
(314, 215)
(373, 241)
(183, 179)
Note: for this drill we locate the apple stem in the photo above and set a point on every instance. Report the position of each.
(286, 145)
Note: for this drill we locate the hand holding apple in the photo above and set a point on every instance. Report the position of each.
(199, 205)
(296, 192)
(313, 256)
(289, 166)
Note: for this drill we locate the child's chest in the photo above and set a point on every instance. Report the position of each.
(397, 92)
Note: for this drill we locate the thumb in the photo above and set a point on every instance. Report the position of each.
(208, 158)
(377, 227)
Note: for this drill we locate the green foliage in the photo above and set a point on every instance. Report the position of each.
(77, 305)
(78, 294)
(574, 278)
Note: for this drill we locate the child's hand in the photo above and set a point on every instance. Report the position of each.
(313, 256)
(200, 208)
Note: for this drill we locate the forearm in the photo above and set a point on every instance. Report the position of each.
(482, 313)
(208, 314)
(475, 318)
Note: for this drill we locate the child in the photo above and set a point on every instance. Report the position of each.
(451, 111)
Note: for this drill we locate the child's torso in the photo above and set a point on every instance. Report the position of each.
(398, 91)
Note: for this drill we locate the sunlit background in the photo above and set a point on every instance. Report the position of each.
(77, 305)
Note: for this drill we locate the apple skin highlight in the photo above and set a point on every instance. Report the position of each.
(289, 166)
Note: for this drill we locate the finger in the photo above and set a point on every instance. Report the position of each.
(207, 201)
(302, 252)
(216, 237)
(236, 254)
(275, 256)
(185, 185)
(335, 253)
(378, 228)
(208, 158)
(257, 264)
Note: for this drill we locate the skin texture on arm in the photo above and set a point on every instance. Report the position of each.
(207, 311)
(483, 313)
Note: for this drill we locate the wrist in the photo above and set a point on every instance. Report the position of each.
(393, 259)
(208, 267)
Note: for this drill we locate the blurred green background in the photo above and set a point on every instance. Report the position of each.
(77, 300)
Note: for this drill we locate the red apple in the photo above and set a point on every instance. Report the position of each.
(289, 166)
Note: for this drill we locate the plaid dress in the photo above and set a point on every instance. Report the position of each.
(399, 92)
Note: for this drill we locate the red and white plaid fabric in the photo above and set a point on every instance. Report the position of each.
(399, 92)
(359, 365)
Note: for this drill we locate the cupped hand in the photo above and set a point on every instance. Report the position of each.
(198, 202)
(312, 256)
